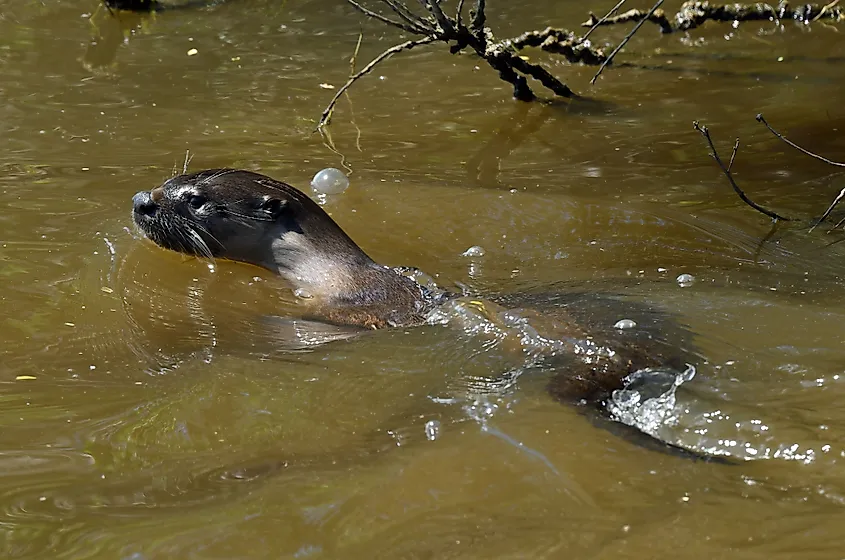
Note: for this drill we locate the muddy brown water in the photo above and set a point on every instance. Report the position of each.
(135, 382)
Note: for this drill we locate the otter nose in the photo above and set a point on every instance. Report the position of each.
(142, 203)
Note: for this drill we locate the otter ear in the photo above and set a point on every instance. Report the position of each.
(273, 207)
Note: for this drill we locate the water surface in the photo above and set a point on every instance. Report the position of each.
(161, 389)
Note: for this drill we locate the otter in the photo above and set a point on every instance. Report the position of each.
(243, 216)
(252, 218)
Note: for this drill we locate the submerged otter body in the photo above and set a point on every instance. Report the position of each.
(248, 217)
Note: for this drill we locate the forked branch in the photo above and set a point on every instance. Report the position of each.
(503, 56)
(838, 197)
(727, 171)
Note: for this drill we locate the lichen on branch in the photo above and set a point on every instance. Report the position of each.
(692, 14)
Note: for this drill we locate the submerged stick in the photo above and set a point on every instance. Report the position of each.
(726, 170)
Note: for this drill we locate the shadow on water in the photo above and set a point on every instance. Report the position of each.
(523, 122)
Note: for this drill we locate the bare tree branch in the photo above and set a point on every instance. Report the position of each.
(327, 113)
(378, 16)
(459, 12)
(841, 194)
(442, 20)
(562, 42)
(829, 210)
(500, 55)
(825, 9)
(420, 25)
(796, 146)
(479, 17)
(694, 13)
(726, 170)
(733, 154)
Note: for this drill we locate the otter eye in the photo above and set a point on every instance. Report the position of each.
(273, 206)
(196, 201)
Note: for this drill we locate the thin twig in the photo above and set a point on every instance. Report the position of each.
(706, 134)
(106, 4)
(479, 17)
(380, 17)
(420, 25)
(834, 242)
(612, 11)
(766, 238)
(354, 56)
(825, 8)
(328, 142)
(443, 21)
(349, 99)
(796, 146)
(829, 210)
(500, 55)
(626, 39)
(459, 11)
(733, 154)
(188, 157)
(838, 224)
(327, 113)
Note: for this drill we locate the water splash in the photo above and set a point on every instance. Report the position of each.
(648, 401)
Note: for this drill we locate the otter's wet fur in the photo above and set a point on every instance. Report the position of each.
(248, 217)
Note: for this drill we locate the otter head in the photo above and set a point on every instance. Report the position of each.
(248, 217)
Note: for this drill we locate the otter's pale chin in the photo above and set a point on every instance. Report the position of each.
(138, 230)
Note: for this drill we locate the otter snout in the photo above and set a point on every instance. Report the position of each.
(143, 204)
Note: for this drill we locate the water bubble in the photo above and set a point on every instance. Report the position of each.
(330, 181)
(625, 324)
(302, 293)
(474, 251)
(685, 280)
(420, 278)
(432, 429)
